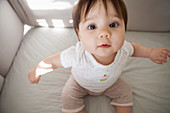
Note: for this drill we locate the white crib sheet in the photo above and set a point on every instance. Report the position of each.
(150, 82)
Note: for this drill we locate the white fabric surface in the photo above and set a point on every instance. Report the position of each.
(150, 82)
(1, 82)
(10, 36)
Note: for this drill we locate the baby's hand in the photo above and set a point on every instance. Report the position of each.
(159, 55)
(33, 78)
(40, 69)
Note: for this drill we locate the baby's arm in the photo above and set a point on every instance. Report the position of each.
(45, 66)
(158, 55)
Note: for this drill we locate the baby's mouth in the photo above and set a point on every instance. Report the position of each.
(104, 46)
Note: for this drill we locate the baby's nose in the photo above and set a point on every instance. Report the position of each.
(104, 33)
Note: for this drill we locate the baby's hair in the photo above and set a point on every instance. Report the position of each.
(83, 7)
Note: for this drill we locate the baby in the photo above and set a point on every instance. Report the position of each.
(98, 58)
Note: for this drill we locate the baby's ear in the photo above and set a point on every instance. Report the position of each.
(77, 31)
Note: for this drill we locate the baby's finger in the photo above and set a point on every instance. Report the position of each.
(158, 62)
(32, 80)
(165, 60)
(37, 79)
(166, 52)
(162, 59)
(164, 49)
(163, 55)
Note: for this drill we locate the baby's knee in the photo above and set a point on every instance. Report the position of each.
(71, 103)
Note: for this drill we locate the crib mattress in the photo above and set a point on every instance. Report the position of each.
(150, 82)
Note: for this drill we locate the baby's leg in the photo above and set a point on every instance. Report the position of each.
(123, 109)
(73, 97)
(81, 112)
(121, 95)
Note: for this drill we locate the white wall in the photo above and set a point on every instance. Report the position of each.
(11, 33)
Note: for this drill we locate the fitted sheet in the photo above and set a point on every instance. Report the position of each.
(150, 82)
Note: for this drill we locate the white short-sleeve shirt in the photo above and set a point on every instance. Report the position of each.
(88, 72)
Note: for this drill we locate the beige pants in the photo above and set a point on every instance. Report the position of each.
(73, 95)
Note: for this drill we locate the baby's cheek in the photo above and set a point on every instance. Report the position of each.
(117, 45)
(89, 46)
(90, 49)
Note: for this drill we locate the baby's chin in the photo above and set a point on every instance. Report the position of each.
(104, 54)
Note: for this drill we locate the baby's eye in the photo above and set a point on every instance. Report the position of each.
(91, 27)
(113, 25)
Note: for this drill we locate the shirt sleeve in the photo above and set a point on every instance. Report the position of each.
(127, 46)
(68, 57)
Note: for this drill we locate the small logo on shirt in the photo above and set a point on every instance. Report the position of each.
(104, 77)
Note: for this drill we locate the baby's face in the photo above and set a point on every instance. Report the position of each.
(102, 33)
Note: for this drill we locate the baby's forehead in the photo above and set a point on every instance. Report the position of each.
(98, 8)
